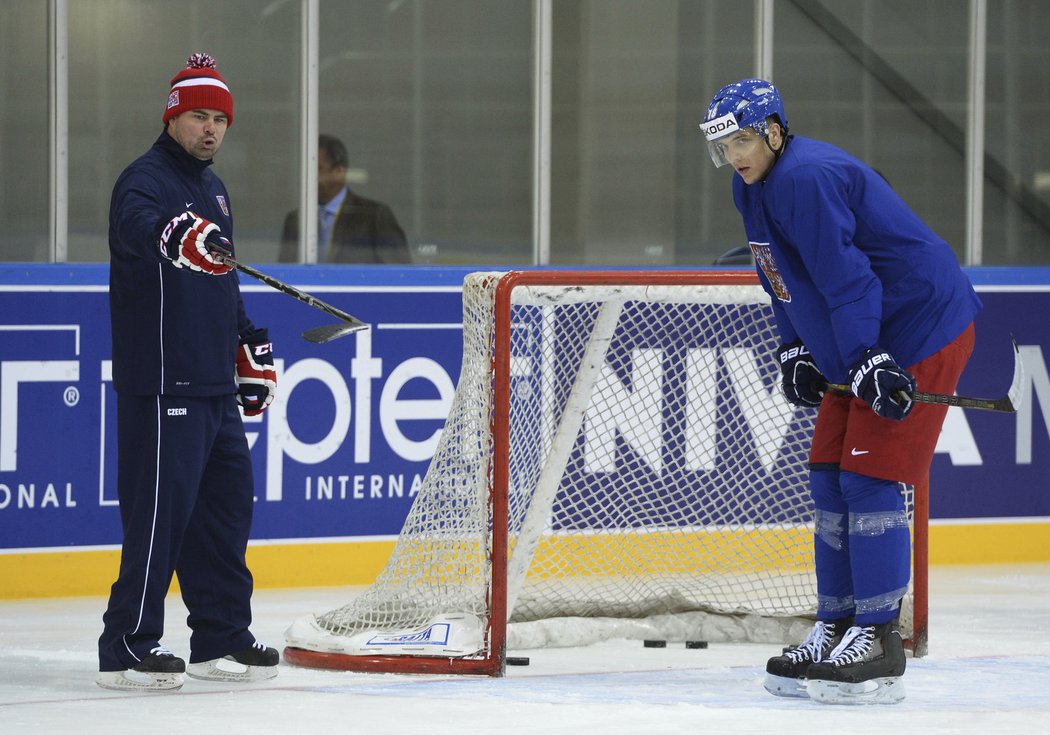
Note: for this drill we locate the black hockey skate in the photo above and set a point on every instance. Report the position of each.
(252, 664)
(786, 673)
(865, 668)
(158, 671)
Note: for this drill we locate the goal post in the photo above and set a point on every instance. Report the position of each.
(618, 462)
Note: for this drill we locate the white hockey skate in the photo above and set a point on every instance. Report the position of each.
(252, 664)
(159, 671)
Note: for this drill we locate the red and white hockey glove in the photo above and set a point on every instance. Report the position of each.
(879, 381)
(256, 376)
(184, 241)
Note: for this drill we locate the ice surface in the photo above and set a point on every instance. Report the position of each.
(988, 671)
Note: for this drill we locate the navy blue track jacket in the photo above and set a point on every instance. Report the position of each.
(175, 331)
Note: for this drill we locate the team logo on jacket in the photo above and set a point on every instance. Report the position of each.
(222, 204)
(764, 258)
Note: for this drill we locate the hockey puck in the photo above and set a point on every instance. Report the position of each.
(517, 660)
(654, 644)
(696, 644)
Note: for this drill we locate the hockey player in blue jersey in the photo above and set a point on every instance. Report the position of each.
(184, 356)
(865, 294)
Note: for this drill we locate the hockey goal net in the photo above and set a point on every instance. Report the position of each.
(618, 462)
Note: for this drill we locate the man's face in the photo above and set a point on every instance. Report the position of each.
(330, 179)
(749, 155)
(199, 132)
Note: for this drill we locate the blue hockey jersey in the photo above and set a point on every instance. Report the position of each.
(175, 331)
(848, 265)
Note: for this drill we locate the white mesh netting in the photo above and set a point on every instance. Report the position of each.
(657, 476)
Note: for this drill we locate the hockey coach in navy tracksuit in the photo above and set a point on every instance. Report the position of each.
(185, 355)
(867, 295)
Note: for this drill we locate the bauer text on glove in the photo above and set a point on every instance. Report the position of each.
(803, 382)
(880, 382)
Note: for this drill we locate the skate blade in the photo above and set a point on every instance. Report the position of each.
(138, 681)
(783, 686)
(226, 669)
(887, 690)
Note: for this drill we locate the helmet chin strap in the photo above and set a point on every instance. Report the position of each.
(776, 151)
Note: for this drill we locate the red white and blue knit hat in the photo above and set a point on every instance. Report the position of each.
(199, 87)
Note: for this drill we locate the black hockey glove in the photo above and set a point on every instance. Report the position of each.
(184, 240)
(881, 383)
(803, 383)
(256, 377)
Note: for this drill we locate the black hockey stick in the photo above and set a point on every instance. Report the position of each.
(319, 335)
(1007, 404)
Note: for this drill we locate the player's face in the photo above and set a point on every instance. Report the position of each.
(747, 152)
(199, 132)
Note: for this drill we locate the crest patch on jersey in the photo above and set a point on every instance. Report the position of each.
(222, 204)
(764, 258)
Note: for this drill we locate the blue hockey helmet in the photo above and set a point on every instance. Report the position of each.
(748, 103)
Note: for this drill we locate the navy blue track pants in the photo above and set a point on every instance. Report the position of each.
(184, 481)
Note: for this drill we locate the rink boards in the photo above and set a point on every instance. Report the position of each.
(340, 456)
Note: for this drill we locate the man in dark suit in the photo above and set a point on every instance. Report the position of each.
(350, 228)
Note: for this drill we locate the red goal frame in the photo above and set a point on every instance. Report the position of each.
(492, 662)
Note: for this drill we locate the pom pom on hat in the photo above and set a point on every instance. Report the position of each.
(199, 87)
(200, 61)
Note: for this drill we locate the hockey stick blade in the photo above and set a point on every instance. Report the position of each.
(328, 332)
(1007, 404)
(317, 335)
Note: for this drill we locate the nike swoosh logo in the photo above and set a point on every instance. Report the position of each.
(189, 204)
(857, 452)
